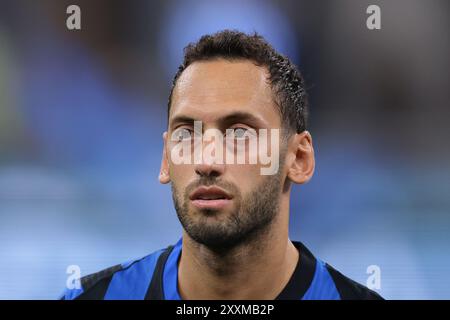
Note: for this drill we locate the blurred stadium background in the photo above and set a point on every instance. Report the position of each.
(82, 114)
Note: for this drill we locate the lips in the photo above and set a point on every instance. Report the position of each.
(213, 198)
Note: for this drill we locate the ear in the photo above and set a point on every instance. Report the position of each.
(164, 171)
(301, 159)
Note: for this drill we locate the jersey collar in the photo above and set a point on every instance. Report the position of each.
(296, 288)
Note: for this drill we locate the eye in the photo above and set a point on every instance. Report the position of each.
(240, 133)
(182, 134)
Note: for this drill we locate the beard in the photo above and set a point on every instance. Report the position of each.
(250, 218)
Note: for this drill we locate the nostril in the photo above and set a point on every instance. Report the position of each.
(207, 172)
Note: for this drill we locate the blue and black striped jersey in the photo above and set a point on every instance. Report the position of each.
(155, 277)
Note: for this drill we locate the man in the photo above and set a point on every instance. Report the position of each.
(235, 215)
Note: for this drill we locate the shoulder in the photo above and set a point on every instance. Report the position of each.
(328, 283)
(95, 286)
(349, 289)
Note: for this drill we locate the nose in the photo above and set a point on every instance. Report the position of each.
(208, 166)
(209, 169)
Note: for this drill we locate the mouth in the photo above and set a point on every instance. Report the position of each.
(213, 198)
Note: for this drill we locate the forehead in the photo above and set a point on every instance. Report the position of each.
(209, 90)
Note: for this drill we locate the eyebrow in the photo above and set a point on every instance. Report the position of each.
(238, 116)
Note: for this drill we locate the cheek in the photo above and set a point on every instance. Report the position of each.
(180, 171)
(245, 177)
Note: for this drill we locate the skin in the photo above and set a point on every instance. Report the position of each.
(260, 268)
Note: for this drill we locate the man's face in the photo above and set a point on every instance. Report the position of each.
(223, 204)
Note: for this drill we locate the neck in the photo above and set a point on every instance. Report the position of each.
(257, 269)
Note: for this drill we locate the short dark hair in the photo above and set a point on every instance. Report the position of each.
(286, 80)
